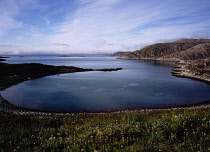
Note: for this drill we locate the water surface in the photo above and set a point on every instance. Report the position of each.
(140, 84)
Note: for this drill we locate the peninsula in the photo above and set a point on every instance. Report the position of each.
(12, 74)
(192, 56)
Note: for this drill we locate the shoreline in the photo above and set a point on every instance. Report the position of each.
(179, 70)
(6, 106)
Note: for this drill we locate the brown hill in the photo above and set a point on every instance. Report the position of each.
(157, 50)
(172, 50)
(194, 52)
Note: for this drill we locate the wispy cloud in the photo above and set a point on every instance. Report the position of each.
(47, 21)
(200, 36)
(101, 24)
(7, 17)
(60, 44)
(9, 10)
(121, 22)
(8, 45)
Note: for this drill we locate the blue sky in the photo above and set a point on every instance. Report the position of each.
(98, 26)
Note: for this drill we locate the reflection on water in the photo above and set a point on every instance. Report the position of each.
(141, 83)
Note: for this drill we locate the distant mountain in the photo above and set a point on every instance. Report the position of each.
(172, 51)
(118, 53)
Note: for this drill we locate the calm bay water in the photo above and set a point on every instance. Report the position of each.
(140, 84)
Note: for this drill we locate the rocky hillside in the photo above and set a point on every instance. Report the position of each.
(200, 51)
(194, 55)
(199, 67)
(172, 50)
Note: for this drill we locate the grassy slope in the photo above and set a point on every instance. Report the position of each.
(174, 130)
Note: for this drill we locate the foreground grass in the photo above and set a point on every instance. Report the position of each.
(175, 130)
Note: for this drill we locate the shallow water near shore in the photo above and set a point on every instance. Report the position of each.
(140, 84)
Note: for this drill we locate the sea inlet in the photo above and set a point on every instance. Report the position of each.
(140, 84)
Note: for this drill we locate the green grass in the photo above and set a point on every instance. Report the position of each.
(175, 130)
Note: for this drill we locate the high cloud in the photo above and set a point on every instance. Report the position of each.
(101, 25)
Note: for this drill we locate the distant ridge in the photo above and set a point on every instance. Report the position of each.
(118, 53)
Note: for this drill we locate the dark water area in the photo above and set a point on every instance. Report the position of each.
(140, 84)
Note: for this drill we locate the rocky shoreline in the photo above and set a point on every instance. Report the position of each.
(182, 70)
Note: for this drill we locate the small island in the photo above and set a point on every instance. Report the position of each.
(3, 58)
